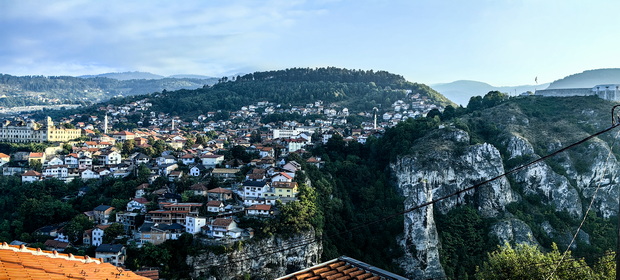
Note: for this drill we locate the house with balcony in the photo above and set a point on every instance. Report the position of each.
(222, 227)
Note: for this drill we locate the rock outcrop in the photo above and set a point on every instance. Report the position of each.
(444, 162)
(260, 259)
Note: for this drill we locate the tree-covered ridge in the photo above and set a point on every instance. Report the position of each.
(328, 74)
(355, 89)
(37, 90)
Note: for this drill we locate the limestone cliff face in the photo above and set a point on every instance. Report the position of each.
(256, 263)
(445, 161)
(434, 171)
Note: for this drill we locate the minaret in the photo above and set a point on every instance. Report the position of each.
(105, 124)
(172, 125)
(375, 113)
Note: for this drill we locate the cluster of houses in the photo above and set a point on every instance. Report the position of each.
(270, 181)
(154, 222)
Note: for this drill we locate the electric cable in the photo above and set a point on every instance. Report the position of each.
(585, 215)
(428, 203)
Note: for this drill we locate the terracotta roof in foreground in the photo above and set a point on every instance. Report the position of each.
(20, 262)
(342, 268)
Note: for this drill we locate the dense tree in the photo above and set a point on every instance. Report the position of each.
(76, 227)
(112, 232)
(528, 262)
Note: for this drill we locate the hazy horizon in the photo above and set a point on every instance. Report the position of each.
(502, 43)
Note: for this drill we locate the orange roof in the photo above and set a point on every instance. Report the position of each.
(21, 262)
(32, 173)
(36, 155)
(3, 155)
(343, 268)
(264, 207)
(214, 203)
(219, 190)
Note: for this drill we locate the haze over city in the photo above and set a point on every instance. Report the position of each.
(498, 42)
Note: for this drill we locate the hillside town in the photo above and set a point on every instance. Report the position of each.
(238, 166)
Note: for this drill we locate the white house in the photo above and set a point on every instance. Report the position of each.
(57, 171)
(193, 224)
(72, 161)
(210, 160)
(221, 227)
(55, 161)
(255, 188)
(85, 162)
(111, 253)
(141, 190)
(164, 160)
(259, 210)
(138, 203)
(31, 176)
(197, 170)
(188, 159)
(215, 206)
(97, 235)
(282, 177)
(110, 158)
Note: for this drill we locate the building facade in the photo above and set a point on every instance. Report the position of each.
(30, 131)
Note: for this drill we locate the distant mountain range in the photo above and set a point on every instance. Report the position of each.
(40, 90)
(125, 76)
(460, 91)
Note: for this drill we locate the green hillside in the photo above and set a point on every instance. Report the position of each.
(355, 89)
(41, 90)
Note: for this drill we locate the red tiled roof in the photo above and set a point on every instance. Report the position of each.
(36, 155)
(20, 262)
(3, 155)
(264, 207)
(32, 173)
(222, 222)
(285, 175)
(219, 190)
(312, 160)
(141, 200)
(342, 268)
(125, 132)
(214, 203)
(151, 274)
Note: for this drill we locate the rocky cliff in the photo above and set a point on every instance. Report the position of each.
(447, 160)
(252, 260)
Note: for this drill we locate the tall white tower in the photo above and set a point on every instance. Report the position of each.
(105, 124)
(374, 110)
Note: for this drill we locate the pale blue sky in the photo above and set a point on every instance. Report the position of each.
(499, 42)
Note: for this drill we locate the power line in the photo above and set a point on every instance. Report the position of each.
(585, 215)
(309, 241)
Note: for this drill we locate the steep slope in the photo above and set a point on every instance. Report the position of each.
(588, 79)
(541, 204)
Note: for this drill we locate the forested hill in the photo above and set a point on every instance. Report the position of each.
(41, 90)
(355, 89)
(588, 79)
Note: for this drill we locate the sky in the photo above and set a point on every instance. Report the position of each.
(500, 42)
